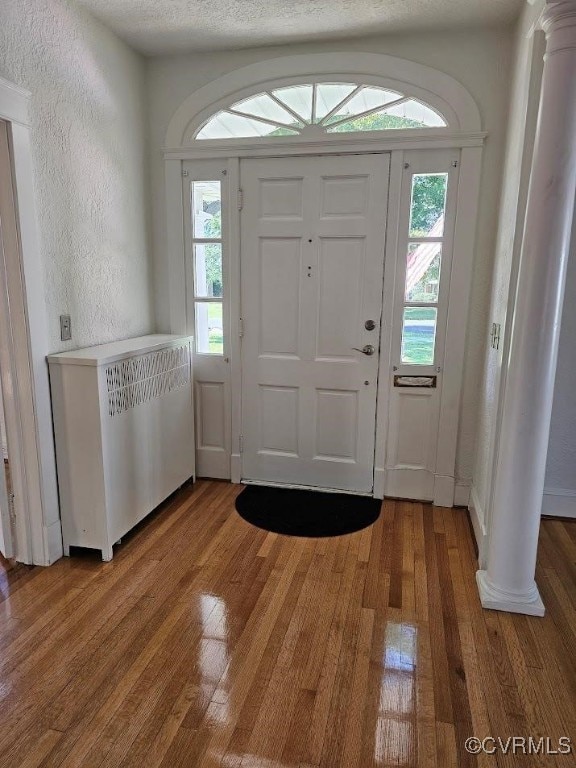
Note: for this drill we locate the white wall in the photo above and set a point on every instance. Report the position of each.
(527, 67)
(560, 486)
(479, 59)
(89, 139)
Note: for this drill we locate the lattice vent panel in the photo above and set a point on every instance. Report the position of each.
(138, 380)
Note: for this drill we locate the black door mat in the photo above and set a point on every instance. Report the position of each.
(314, 514)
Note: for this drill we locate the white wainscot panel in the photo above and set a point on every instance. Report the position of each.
(336, 425)
(411, 430)
(279, 296)
(281, 199)
(278, 420)
(341, 272)
(344, 196)
(210, 406)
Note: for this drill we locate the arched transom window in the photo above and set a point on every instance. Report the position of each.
(318, 108)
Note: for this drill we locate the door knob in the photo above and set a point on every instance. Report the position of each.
(369, 325)
(368, 349)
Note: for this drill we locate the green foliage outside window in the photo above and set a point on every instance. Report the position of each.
(428, 197)
(374, 123)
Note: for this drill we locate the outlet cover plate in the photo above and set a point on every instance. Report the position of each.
(65, 328)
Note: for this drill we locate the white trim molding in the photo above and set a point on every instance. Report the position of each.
(352, 143)
(478, 520)
(436, 88)
(462, 494)
(14, 103)
(559, 502)
(528, 603)
(38, 529)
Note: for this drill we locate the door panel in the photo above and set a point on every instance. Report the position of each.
(312, 250)
(279, 287)
(344, 196)
(205, 196)
(279, 420)
(336, 420)
(281, 199)
(424, 262)
(210, 408)
(340, 281)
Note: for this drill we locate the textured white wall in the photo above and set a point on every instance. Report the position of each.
(515, 171)
(478, 59)
(561, 467)
(89, 137)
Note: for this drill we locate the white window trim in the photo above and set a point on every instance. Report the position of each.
(440, 91)
(307, 123)
(435, 88)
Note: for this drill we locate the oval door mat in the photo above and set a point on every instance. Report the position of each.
(306, 513)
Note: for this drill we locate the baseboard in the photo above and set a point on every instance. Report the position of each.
(529, 604)
(443, 490)
(53, 549)
(379, 482)
(462, 494)
(446, 493)
(235, 468)
(410, 483)
(559, 502)
(478, 525)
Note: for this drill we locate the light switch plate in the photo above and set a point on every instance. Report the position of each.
(65, 328)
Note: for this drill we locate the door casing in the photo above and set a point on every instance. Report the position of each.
(446, 490)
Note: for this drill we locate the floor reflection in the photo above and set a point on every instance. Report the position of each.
(213, 656)
(395, 735)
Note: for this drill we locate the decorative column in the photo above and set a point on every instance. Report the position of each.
(508, 582)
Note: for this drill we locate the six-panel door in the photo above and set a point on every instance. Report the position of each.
(312, 255)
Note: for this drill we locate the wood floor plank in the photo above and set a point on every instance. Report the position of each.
(355, 714)
(442, 696)
(462, 717)
(207, 643)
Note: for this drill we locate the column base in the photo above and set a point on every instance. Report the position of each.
(496, 599)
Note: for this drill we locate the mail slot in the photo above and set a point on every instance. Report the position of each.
(429, 382)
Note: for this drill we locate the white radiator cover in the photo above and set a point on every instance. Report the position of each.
(124, 430)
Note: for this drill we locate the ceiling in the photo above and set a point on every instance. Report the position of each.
(157, 27)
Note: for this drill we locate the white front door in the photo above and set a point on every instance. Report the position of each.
(312, 259)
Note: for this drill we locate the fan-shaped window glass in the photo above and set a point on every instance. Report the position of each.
(329, 96)
(320, 107)
(265, 107)
(363, 101)
(298, 99)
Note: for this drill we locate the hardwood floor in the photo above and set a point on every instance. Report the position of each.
(207, 642)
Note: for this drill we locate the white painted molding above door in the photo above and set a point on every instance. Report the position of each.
(434, 87)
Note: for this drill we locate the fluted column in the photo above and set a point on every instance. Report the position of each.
(508, 581)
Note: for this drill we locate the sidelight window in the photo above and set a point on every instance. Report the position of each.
(206, 206)
(423, 267)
